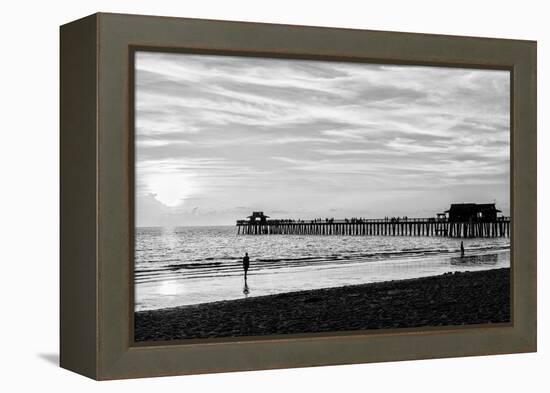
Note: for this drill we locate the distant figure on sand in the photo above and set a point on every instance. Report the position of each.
(246, 264)
(462, 249)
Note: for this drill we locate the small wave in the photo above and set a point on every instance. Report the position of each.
(159, 267)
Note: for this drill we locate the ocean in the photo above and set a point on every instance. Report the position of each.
(182, 266)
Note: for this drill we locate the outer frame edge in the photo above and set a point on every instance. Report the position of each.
(78, 263)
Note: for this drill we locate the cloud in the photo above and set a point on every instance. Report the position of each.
(301, 137)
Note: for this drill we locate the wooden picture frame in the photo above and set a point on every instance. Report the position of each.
(97, 224)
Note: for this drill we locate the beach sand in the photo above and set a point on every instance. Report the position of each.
(465, 298)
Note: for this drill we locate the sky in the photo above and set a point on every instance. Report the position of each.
(218, 137)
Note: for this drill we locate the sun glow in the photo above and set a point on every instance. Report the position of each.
(169, 287)
(172, 189)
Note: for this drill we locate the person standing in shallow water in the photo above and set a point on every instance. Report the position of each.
(246, 264)
(462, 249)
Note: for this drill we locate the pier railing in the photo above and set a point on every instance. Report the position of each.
(388, 226)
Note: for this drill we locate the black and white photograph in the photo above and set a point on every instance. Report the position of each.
(280, 196)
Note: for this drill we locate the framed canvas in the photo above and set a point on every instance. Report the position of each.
(243, 196)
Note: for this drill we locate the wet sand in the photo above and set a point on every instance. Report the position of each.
(465, 298)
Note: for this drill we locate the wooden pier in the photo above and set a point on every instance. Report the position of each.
(443, 227)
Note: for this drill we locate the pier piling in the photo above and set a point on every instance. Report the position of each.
(433, 227)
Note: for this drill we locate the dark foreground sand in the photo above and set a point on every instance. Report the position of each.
(450, 299)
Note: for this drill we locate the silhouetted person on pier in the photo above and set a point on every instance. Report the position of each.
(246, 265)
(462, 249)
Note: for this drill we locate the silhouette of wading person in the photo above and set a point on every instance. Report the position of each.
(246, 265)
(462, 249)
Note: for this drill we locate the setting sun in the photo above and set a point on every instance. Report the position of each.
(172, 189)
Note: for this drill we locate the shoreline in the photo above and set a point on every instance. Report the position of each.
(180, 289)
(460, 298)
